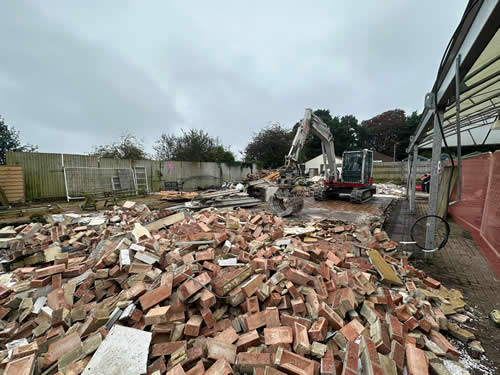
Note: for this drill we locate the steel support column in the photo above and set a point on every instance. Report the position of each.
(459, 135)
(413, 179)
(434, 183)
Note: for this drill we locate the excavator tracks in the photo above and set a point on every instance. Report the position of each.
(361, 195)
(320, 195)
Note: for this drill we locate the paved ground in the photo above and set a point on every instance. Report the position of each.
(343, 209)
(459, 265)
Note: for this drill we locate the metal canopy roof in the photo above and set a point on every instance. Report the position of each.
(477, 42)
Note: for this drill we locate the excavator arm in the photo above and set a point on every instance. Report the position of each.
(288, 199)
(313, 123)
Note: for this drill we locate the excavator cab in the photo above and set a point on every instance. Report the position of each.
(357, 167)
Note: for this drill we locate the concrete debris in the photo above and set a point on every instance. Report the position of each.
(125, 349)
(221, 291)
(391, 189)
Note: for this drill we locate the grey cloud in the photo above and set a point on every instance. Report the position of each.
(95, 69)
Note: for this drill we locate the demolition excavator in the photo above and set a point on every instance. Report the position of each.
(355, 180)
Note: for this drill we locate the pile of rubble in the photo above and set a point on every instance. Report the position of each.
(391, 189)
(224, 291)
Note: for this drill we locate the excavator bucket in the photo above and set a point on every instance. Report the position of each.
(287, 202)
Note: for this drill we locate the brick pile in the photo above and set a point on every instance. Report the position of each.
(221, 292)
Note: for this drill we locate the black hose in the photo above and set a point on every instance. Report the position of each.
(442, 244)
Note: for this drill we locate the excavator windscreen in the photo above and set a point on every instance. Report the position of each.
(352, 167)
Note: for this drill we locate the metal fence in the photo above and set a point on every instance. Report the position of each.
(44, 172)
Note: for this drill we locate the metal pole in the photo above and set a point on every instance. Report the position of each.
(434, 183)
(413, 179)
(459, 136)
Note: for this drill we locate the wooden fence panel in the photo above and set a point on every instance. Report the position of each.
(12, 183)
(44, 177)
(43, 174)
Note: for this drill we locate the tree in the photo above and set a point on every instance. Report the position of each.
(11, 141)
(192, 145)
(347, 135)
(384, 131)
(270, 145)
(411, 124)
(129, 147)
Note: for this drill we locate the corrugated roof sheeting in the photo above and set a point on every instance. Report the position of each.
(479, 102)
(477, 41)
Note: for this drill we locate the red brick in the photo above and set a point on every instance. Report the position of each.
(351, 359)
(278, 335)
(257, 320)
(208, 317)
(197, 369)
(138, 289)
(395, 328)
(56, 281)
(247, 361)
(398, 355)
(48, 271)
(176, 370)
(298, 306)
(252, 305)
(157, 315)
(297, 277)
(155, 296)
(193, 326)
(220, 367)
(352, 330)
(38, 283)
(301, 339)
(21, 366)
(190, 287)
(294, 364)
(248, 340)
(220, 350)
(292, 290)
(289, 320)
(429, 281)
(370, 357)
(158, 365)
(416, 361)
(24, 350)
(318, 330)
(331, 316)
(59, 348)
(444, 344)
(228, 335)
(250, 286)
(208, 254)
(207, 299)
(411, 324)
(167, 348)
(327, 366)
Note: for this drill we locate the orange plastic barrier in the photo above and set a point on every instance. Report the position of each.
(479, 209)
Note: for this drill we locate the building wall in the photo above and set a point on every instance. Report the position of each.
(44, 173)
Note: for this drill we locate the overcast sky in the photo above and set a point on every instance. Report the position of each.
(77, 74)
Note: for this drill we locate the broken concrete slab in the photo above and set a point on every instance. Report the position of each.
(123, 348)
